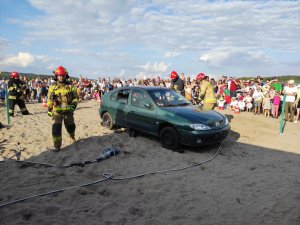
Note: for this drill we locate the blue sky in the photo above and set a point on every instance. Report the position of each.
(150, 38)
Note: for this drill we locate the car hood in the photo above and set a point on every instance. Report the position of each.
(192, 114)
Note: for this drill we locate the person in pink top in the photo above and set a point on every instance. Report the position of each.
(276, 103)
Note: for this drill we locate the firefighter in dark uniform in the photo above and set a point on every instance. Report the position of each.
(15, 94)
(176, 83)
(62, 101)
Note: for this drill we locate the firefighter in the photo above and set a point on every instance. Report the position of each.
(62, 101)
(15, 94)
(176, 83)
(207, 94)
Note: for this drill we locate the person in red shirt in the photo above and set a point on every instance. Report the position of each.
(233, 87)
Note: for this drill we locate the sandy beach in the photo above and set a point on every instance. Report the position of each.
(254, 180)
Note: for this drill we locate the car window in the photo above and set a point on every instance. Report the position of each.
(120, 96)
(138, 98)
(168, 98)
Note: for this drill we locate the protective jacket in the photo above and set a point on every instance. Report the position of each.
(178, 86)
(207, 93)
(62, 97)
(14, 88)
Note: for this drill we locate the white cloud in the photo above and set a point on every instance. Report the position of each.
(23, 59)
(152, 70)
(172, 54)
(222, 57)
(156, 67)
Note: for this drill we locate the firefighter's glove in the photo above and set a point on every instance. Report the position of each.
(50, 113)
(72, 108)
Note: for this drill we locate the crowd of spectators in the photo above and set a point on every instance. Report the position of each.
(254, 95)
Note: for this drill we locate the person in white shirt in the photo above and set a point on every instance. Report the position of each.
(241, 105)
(3, 87)
(257, 97)
(233, 103)
(221, 103)
(290, 91)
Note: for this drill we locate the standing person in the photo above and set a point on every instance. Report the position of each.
(3, 87)
(207, 93)
(188, 90)
(15, 94)
(276, 104)
(176, 83)
(26, 89)
(62, 101)
(257, 98)
(290, 91)
(182, 77)
(266, 103)
(297, 116)
(233, 87)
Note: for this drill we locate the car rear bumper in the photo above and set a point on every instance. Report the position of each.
(201, 138)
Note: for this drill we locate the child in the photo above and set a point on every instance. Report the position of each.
(233, 103)
(241, 105)
(96, 95)
(221, 103)
(257, 97)
(248, 101)
(276, 103)
(227, 100)
(267, 104)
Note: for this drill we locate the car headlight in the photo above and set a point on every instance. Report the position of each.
(226, 121)
(199, 126)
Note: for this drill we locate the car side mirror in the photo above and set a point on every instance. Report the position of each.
(147, 105)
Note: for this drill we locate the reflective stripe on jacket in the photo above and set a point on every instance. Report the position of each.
(61, 96)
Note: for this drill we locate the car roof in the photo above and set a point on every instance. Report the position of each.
(148, 88)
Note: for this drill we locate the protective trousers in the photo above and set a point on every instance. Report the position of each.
(58, 118)
(208, 106)
(20, 103)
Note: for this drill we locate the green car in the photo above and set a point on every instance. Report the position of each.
(163, 113)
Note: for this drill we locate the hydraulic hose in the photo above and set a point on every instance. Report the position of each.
(108, 176)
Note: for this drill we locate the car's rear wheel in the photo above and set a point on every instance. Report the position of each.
(107, 121)
(169, 138)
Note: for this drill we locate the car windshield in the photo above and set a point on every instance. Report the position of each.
(168, 98)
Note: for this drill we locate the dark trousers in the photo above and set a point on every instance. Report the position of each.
(20, 103)
(232, 94)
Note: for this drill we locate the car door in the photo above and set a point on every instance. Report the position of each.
(141, 112)
(121, 105)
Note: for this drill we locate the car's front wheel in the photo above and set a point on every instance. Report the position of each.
(169, 138)
(107, 121)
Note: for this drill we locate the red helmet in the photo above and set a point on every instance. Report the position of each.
(14, 75)
(173, 75)
(200, 76)
(61, 71)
